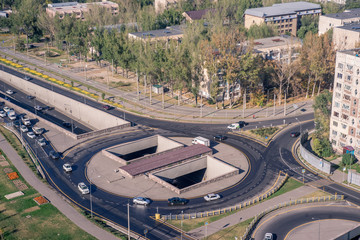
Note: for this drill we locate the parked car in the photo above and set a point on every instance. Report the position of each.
(11, 115)
(6, 109)
(177, 201)
(31, 135)
(2, 113)
(41, 142)
(9, 91)
(26, 120)
(38, 130)
(242, 124)
(48, 108)
(38, 108)
(233, 126)
(23, 128)
(294, 134)
(27, 78)
(67, 167)
(106, 107)
(30, 97)
(83, 188)
(141, 201)
(211, 197)
(54, 155)
(268, 236)
(219, 138)
(67, 124)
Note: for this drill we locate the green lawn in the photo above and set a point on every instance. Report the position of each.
(237, 230)
(188, 225)
(22, 218)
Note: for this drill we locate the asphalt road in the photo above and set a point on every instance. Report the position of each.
(282, 223)
(265, 164)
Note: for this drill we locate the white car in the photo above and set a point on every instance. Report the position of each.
(6, 109)
(23, 128)
(9, 91)
(38, 130)
(31, 135)
(83, 188)
(38, 108)
(141, 201)
(211, 197)
(233, 126)
(268, 236)
(41, 142)
(67, 168)
(2, 113)
(26, 121)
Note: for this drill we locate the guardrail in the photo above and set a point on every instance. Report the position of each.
(228, 209)
(252, 225)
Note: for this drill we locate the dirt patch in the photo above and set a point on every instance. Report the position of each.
(8, 170)
(20, 185)
(31, 209)
(4, 164)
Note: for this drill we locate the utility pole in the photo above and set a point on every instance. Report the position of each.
(128, 213)
(285, 105)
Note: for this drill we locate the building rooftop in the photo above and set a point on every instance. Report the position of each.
(352, 52)
(277, 41)
(168, 31)
(76, 5)
(351, 13)
(199, 14)
(355, 27)
(282, 9)
(165, 159)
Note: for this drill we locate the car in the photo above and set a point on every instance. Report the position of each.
(48, 108)
(54, 155)
(2, 113)
(30, 97)
(294, 134)
(141, 201)
(177, 201)
(83, 188)
(31, 135)
(219, 138)
(66, 124)
(27, 78)
(41, 142)
(268, 236)
(106, 107)
(242, 123)
(233, 126)
(9, 91)
(38, 130)
(6, 109)
(26, 120)
(38, 108)
(67, 167)
(23, 128)
(211, 197)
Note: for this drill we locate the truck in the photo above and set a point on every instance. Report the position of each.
(11, 115)
(201, 140)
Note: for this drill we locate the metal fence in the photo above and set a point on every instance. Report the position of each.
(228, 209)
(252, 225)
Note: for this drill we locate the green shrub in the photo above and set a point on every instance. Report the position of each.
(348, 159)
(264, 132)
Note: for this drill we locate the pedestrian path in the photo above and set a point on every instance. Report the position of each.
(250, 212)
(57, 200)
(169, 111)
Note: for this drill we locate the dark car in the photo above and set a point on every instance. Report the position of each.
(48, 108)
(177, 201)
(66, 124)
(294, 134)
(30, 97)
(242, 124)
(54, 155)
(106, 107)
(219, 138)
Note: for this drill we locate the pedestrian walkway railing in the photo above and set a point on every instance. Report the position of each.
(278, 184)
(257, 218)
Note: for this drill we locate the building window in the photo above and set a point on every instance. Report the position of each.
(355, 92)
(290, 25)
(339, 75)
(334, 132)
(357, 71)
(337, 104)
(349, 78)
(346, 97)
(290, 30)
(338, 85)
(354, 101)
(357, 81)
(335, 123)
(340, 65)
(351, 141)
(336, 114)
(344, 116)
(337, 95)
(347, 87)
(343, 126)
(333, 142)
(345, 106)
(352, 121)
(353, 111)
(358, 133)
(349, 67)
(352, 131)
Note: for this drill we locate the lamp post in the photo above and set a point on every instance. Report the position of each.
(128, 213)
(182, 217)
(300, 125)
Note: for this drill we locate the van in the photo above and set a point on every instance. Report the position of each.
(201, 140)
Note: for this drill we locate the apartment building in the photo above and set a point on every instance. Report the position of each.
(285, 16)
(329, 21)
(345, 112)
(347, 36)
(79, 9)
(161, 5)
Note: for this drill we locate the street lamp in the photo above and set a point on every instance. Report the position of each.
(182, 217)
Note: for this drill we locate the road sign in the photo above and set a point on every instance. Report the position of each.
(303, 171)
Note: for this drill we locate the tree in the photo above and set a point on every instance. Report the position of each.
(47, 25)
(348, 159)
(261, 31)
(308, 24)
(322, 111)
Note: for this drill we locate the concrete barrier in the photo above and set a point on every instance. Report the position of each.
(94, 117)
(353, 177)
(352, 234)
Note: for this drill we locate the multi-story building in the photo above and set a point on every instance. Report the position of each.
(175, 32)
(161, 5)
(329, 21)
(79, 9)
(347, 36)
(345, 113)
(285, 16)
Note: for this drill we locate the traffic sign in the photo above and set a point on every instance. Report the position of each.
(303, 171)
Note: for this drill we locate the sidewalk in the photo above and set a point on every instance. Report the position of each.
(55, 199)
(170, 111)
(250, 212)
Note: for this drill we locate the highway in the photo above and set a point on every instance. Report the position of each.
(265, 163)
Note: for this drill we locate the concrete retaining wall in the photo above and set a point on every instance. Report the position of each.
(96, 118)
(350, 234)
(353, 177)
(314, 160)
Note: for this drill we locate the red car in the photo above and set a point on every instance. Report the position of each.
(106, 107)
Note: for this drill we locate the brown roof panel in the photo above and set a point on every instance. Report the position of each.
(162, 160)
